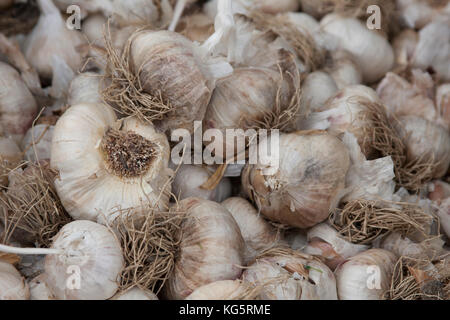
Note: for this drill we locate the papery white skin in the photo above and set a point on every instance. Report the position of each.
(219, 290)
(39, 289)
(416, 13)
(244, 6)
(38, 142)
(404, 45)
(443, 102)
(92, 253)
(86, 187)
(358, 277)
(317, 88)
(93, 27)
(12, 284)
(211, 248)
(135, 294)
(85, 88)
(344, 71)
(372, 52)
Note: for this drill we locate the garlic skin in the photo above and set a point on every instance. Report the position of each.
(12, 284)
(324, 241)
(196, 27)
(18, 107)
(10, 156)
(443, 102)
(424, 138)
(90, 263)
(93, 27)
(211, 248)
(135, 294)
(258, 234)
(372, 52)
(317, 88)
(92, 184)
(404, 45)
(220, 290)
(50, 38)
(294, 286)
(39, 289)
(244, 6)
(365, 276)
(344, 70)
(189, 179)
(38, 142)
(416, 13)
(85, 88)
(438, 191)
(308, 181)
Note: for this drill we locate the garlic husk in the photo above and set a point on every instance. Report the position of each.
(365, 276)
(38, 142)
(317, 88)
(244, 6)
(438, 190)
(12, 284)
(443, 102)
(196, 27)
(324, 241)
(93, 27)
(51, 39)
(211, 248)
(308, 180)
(10, 156)
(296, 238)
(291, 275)
(85, 88)
(403, 246)
(39, 289)
(92, 183)
(89, 264)
(135, 294)
(372, 52)
(343, 69)
(444, 216)
(416, 13)
(189, 179)
(223, 290)
(18, 107)
(404, 45)
(427, 141)
(258, 234)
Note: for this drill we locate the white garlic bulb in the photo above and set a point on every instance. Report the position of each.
(93, 27)
(105, 164)
(404, 45)
(89, 264)
(372, 52)
(258, 234)
(417, 13)
(211, 248)
(39, 289)
(324, 241)
(343, 69)
(12, 284)
(38, 142)
(18, 107)
(365, 276)
(222, 290)
(135, 294)
(317, 88)
(443, 102)
(189, 179)
(307, 183)
(85, 88)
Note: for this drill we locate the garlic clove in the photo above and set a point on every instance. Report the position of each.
(135, 294)
(12, 284)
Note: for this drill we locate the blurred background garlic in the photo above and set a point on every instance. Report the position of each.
(10, 157)
(416, 13)
(404, 45)
(343, 69)
(135, 294)
(365, 276)
(443, 102)
(196, 27)
(438, 190)
(211, 248)
(317, 88)
(94, 27)
(305, 185)
(12, 284)
(224, 290)
(245, 6)
(37, 142)
(39, 289)
(85, 88)
(107, 165)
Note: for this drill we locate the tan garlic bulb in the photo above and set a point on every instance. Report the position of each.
(258, 234)
(10, 156)
(344, 70)
(189, 179)
(89, 264)
(404, 45)
(107, 165)
(50, 40)
(196, 27)
(443, 102)
(307, 182)
(291, 275)
(18, 107)
(317, 88)
(427, 141)
(211, 248)
(39, 289)
(135, 294)
(38, 142)
(365, 276)
(85, 88)
(223, 290)
(372, 52)
(325, 242)
(12, 284)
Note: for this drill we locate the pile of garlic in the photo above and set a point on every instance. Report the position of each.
(94, 121)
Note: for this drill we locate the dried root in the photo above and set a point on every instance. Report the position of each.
(363, 221)
(19, 19)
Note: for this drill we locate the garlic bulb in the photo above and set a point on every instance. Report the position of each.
(39, 289)
(18, 107)
(258, 234)
(85, 88)
(443, 102)
(343, 69)
(223, 290)
(12, 284)
(438, 191)
(404, 45)
(427, 141)
(38, 142)
(372, 52)
(403, 246)
(324, 241)
(308, 181)
(189, 179)
(245, 6)
(135, 294)
(444, 216)
(211, 248)
(107, 165)
(417, 13)
(291, 275)
(89, 264)
(93, 27)
(317, 88)
(10, 156)
(51, 39)
(365, 276)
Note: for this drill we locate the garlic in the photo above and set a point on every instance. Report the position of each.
(343, 69)
(404, 45)
(438, 191)
(37, 142)
(50, 40)
(18, 107)
(317, 88)
(372, 52)
(189, 179)
(89, 149)
(290, 275)
(324, 241)
(10, 156)
(39, 289)
(403, 246)
(12, 284)
(223, 290)
(296, 238)
(196, 27)
(417, 13)
(211, 248)
(85, 88)
(244, 6)
(258, 234)
(426, 141)
(365, 276)
(444, 216)
(308, 181)
(135, 294)
(93, 27)
(443, 102)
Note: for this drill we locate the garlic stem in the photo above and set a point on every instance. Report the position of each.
(10, 249)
